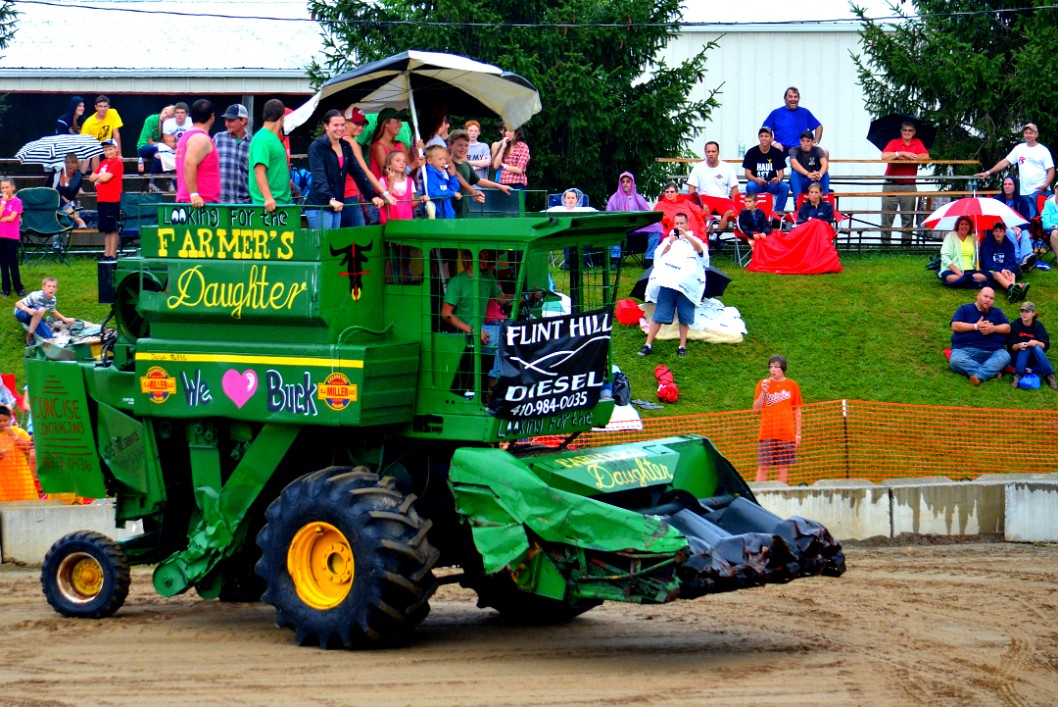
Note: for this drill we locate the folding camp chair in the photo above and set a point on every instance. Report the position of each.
(499, 204)
(137, 210)
(743, 250)
(45, 230)
(556, 200)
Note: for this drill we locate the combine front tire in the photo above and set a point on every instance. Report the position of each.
(346, 560)
(85, 575)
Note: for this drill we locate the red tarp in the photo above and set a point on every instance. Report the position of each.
(806, 250)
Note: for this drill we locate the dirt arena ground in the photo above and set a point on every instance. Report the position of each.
(945, 624)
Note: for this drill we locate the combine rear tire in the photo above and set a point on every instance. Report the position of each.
(518, 607)
(346, 560)
(85, 576)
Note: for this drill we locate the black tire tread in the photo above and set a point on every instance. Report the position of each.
(115, 565)
(393, 578)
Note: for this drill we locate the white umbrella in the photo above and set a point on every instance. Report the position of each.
(983, 211)
(51, 151)
(467, 87)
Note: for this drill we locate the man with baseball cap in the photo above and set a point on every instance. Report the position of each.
(808, 163)
(1035, 167)
(233, 151)
(107, 180)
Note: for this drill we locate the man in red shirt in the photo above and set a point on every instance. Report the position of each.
(107, 178)
(902, 154)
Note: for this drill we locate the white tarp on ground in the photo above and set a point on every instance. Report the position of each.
(92, 36)
(713, 322)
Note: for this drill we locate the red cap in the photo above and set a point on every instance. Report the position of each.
(356, 115)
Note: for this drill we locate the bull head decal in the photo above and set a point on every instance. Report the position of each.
(353, 260)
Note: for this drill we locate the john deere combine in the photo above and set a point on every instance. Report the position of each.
(294, 421)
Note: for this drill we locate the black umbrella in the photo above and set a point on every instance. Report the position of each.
(716, 281)
(887, 128)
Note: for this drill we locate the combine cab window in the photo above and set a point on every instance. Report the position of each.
(404, 265)
(582, 277)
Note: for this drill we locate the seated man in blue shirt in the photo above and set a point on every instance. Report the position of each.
(979, 337)
(999, 260)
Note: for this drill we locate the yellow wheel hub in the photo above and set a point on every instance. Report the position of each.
(320, 561)
(79, 578)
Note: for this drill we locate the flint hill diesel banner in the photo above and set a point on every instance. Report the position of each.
(552, 365)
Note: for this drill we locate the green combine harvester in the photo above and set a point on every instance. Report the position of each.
(293, 421)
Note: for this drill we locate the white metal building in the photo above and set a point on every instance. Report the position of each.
(62, 48)
(756, 63)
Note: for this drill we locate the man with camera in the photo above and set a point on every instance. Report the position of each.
(677, 282)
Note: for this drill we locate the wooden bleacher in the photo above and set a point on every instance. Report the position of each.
(862, 228)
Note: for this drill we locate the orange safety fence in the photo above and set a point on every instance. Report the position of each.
(859, 439)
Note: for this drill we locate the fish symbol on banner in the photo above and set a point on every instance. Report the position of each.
(240, 387)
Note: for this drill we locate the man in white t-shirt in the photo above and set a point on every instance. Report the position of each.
(715, 184)
(173, 128)
(1035, 167)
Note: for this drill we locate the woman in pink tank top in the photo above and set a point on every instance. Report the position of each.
(196, 144)
(383, 142)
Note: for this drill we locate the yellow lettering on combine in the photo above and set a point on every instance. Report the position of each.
(205, 244)
(246, 244)
(260, 250)
(193, 290)
(226, 243)
(165, 236)
(286, 245)
(190, 247)
(642, 474)
(222, 243)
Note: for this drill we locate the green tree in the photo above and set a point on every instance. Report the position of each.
(610, 102)
(978, 76)
(8, 14)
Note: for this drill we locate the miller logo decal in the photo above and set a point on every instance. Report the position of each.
(336, 391)
(157, 384)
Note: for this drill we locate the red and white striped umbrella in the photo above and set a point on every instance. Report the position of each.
(983, 211)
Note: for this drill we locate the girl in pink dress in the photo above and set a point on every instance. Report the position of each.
(400, 187)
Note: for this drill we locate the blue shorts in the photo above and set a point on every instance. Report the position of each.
(670, 303)
(493, 348)
(776, 452)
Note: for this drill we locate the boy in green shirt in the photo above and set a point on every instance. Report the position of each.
(458, 145)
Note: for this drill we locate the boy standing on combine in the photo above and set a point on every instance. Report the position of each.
(441, 183)
(778, 400)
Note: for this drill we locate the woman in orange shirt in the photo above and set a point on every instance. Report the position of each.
(16, 480)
